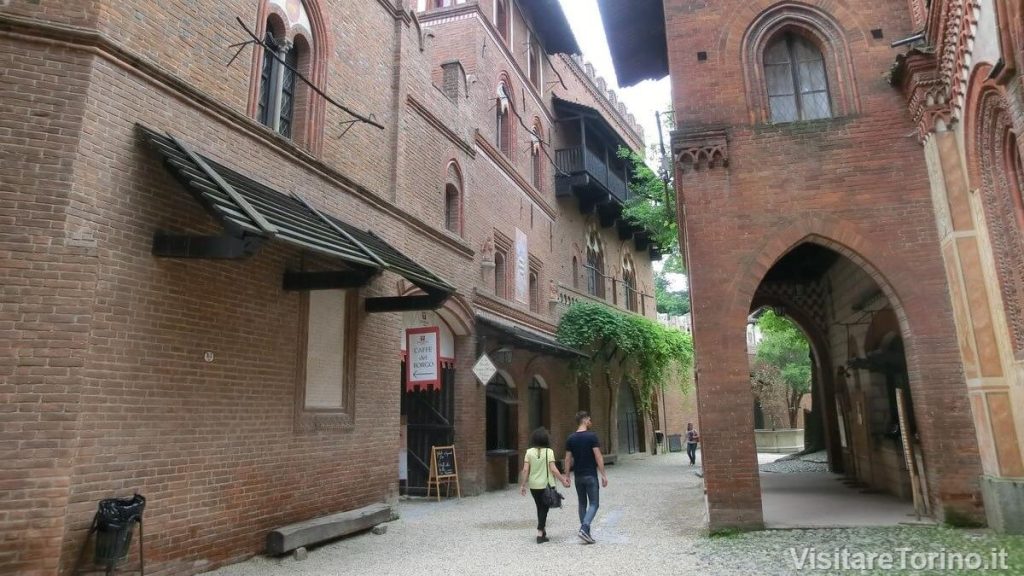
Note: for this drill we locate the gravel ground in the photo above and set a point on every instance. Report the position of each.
(650, 522)
(814, 462)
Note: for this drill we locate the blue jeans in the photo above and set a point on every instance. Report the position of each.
(588, 491)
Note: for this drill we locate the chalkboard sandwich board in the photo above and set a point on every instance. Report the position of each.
(443, 468)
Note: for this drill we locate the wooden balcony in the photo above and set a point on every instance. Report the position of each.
(583, 167)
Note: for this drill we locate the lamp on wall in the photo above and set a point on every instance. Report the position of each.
(503, 355)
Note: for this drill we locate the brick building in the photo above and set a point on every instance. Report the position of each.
(803, 187)
(211, 272)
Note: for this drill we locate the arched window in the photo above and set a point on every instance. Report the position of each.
(536, 156)
(503, 125)
(795, 75)
(451, 208)
(501, 19)
(534, 63)
(500, 271)
(534, 293)
(453, 200)
(575, 273)
(294, 33)
(629, 283)
(595, 267)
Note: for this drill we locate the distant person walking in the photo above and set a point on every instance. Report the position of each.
(692, 438)
(583, 456)
(539, 472)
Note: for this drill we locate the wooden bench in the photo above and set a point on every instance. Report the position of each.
(292, 536)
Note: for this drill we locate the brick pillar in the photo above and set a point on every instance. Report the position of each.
(724, 398)
(470, 418)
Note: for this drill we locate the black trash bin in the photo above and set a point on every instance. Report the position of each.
(113, 524)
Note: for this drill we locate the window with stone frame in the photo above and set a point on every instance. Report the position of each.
(796, 79)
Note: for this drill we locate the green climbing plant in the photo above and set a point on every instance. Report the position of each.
(651, 353)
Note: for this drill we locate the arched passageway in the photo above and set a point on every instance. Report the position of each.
(862, 413)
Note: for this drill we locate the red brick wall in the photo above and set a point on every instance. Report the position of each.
(857, 181)
(106, 390)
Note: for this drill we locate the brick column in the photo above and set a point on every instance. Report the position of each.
(724, 398)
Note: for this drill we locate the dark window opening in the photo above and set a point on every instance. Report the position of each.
(451, 208)
(501, 415)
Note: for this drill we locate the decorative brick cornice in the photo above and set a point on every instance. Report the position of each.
(916, 74)
(508, 311)
(700, 149)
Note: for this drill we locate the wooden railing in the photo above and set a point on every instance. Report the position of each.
(578, 159)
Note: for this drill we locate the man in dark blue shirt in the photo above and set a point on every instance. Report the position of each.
(583, 456)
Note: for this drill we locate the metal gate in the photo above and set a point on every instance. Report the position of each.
(429, 422)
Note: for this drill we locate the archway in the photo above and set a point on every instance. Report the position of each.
(857, 369)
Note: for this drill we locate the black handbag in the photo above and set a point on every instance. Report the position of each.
(552, 498)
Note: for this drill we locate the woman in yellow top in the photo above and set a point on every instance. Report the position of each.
(539, 472)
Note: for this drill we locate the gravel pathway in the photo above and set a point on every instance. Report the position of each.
(650, 523)
(814, 462)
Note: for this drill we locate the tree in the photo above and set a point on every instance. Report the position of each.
(652, 204)
(668, 301)
(783, 360)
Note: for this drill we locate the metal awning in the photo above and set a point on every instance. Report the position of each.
(252, 213)
(507, 333)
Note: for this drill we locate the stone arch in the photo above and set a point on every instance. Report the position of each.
(456, 311)
(840, 236)
(818, 26)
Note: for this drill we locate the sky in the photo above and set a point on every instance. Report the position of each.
(643, 100)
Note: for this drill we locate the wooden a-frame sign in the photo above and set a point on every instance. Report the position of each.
(443, 468)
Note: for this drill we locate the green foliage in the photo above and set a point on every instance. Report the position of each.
(783, 364)
(669, 301)
(652, 205)
(785, 347)
(652, 353)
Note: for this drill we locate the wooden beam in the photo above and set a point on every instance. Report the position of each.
(212, 247)
(329, 280)
(405, 303)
